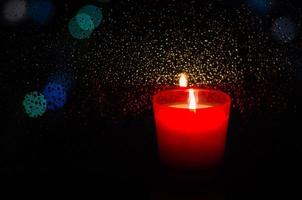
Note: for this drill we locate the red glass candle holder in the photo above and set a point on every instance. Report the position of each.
(187, 138)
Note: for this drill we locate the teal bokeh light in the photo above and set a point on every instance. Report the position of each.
(94, 12)
(34, 104)
(76, 31)
(85, 22)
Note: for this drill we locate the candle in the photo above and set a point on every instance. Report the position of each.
(191, 126)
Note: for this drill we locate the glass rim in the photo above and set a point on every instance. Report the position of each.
(226, 97)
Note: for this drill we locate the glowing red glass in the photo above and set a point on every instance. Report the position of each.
(191, 138)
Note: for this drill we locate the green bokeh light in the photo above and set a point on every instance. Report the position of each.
(94, 12)
(84, 21)
(34, 104)
(76, 31)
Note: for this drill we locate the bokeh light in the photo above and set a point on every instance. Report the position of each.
(94, 12)
(85, 22)
(14, 10)
(40, 10)
(55, 96)
(63, 78)
(34, 104)
(76, 31)
(284, 29)
(260, 6)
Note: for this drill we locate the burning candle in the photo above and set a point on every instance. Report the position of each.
(191, 126)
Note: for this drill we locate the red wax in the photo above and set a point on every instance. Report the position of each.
(191, 138)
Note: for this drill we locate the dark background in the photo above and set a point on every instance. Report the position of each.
(263, 151)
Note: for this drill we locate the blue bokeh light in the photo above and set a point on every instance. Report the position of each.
(55, 96)
(40, 10)
(260, 6)
(284, 29)
(63, 78)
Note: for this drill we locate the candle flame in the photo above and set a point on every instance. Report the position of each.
(192, 100)
(183, 81)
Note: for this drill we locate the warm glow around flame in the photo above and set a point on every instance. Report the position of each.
(183, 82)
(192, 99)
